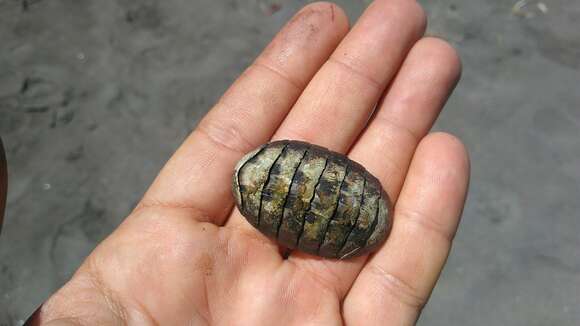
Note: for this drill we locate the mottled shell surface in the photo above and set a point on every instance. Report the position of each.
(312, 199)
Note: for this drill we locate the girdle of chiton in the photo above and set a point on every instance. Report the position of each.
(312, 199)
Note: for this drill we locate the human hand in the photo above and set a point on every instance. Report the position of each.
(184, 257)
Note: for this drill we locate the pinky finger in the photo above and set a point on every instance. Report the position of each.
(397, 281)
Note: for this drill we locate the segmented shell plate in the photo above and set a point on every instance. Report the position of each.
(310, 198)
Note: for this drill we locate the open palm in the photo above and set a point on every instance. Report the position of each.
(185, 257)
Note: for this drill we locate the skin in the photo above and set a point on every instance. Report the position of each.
(184, 256)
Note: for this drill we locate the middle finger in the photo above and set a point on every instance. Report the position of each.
(337, 103)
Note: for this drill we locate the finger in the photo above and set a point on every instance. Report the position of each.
(386, 147)
(409, 110)
(397, 280)
(337, 103)
(198, 176)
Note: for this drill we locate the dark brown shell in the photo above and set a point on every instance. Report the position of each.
(313, 199)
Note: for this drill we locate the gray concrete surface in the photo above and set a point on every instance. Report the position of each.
(95, 95)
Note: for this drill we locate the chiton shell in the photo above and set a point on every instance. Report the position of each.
(310, 198)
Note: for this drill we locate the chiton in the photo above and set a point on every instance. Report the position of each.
(312, 199)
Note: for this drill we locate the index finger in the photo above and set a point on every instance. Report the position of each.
(198, 176)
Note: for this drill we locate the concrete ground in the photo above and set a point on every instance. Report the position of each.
(95, 96)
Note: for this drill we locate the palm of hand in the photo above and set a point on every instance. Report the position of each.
(183, 257)
(168, 268)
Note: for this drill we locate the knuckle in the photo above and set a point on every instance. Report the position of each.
(352, 68)
(398, 130)
(394, 286)
(425, 223)
(274, 68)
(227, 135)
